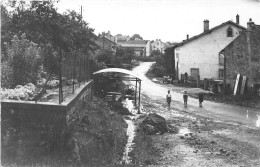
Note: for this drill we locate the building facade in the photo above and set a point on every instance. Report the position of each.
(141, 47)
(106, 44)
(158, 45)
(242, 56)
(199, 55)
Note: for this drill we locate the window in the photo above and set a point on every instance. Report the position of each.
(229, 32)
(221, 59)
(221, 74)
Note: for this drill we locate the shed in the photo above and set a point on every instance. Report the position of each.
(121, 74)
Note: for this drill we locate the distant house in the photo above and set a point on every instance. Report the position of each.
(242, 56)
(199, 55)
(106, 44)
(158, 45)
(141, 47)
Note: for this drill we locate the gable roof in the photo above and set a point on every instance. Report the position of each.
(207, 32)
(257, 28)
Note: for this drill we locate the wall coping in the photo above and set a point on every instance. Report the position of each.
(72, 99)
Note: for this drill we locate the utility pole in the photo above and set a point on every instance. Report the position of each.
(81, 11)
(60, 81)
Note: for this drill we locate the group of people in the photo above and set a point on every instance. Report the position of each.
(185, 99)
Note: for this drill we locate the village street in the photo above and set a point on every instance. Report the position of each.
(214, 135)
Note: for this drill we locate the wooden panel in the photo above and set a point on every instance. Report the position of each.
(236, 84)
(243, 85)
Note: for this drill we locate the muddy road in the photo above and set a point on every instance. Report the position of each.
(214, 135)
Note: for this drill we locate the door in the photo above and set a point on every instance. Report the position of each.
(194, 73)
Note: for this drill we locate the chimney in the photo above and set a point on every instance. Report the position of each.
(206, 25)
(249, 24)
(187, 36)
(237, 19)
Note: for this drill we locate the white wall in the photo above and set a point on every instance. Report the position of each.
(203, 53)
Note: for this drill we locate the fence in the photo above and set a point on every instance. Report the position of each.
(74, 70)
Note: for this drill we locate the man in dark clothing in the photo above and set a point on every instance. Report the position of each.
(185, 98)
(169, 99)
(200, 99)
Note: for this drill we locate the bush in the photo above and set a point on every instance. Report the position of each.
(24, 59)
(156, 71)
(144, 58)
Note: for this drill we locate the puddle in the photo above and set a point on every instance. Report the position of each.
(154, 79)
(258, 121)
(184, 131)
(223, 132)
(191, 117)
(177, 115)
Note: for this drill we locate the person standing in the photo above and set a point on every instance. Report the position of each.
(169, 99)
(200, 99)
(185, 98)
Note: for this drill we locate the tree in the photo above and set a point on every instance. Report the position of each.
(105, 56)
(43, 25)
(136, 36)
(25, 60)
(124, 55)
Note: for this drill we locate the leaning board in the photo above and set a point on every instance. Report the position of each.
(243, 85)
(236, 84)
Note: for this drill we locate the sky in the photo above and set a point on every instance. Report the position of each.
(168, 20)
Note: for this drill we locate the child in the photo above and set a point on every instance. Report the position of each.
(200, 99)
(185, 98)
(169, 99)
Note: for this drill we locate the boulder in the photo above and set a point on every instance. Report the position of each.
(149, 129)
(157, 122)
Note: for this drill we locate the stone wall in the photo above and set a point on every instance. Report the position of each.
(51, 118)
(238, 59)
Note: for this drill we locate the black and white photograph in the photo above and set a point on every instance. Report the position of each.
(130, 83)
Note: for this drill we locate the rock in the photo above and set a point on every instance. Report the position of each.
(148, 162)
(149, 129)
(157, 121)
(223, 151)
(195, 151)
(18, 86)
(212, 142)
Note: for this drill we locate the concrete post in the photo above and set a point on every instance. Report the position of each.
(205, 84)
(198, 81)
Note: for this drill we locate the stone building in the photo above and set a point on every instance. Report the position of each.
(242, 56)
(158, 45)
(106, 44)
(141, 47)
(199, 55)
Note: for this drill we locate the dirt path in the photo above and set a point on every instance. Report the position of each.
(207, 136)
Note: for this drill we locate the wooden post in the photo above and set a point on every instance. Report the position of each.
(60, 83)
(135, 90)
(243, 85)
(198, 81)
(205, 84)
(139, 97)
(236, 84)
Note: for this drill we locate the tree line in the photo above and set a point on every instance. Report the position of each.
(33, 35)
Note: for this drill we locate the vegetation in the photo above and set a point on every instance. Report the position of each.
(122, 56)
(39, 33)
(158, 69)
(136, 36)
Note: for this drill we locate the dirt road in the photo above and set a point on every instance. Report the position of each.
(215, 135)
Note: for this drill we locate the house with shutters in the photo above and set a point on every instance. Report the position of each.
(200, 55)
